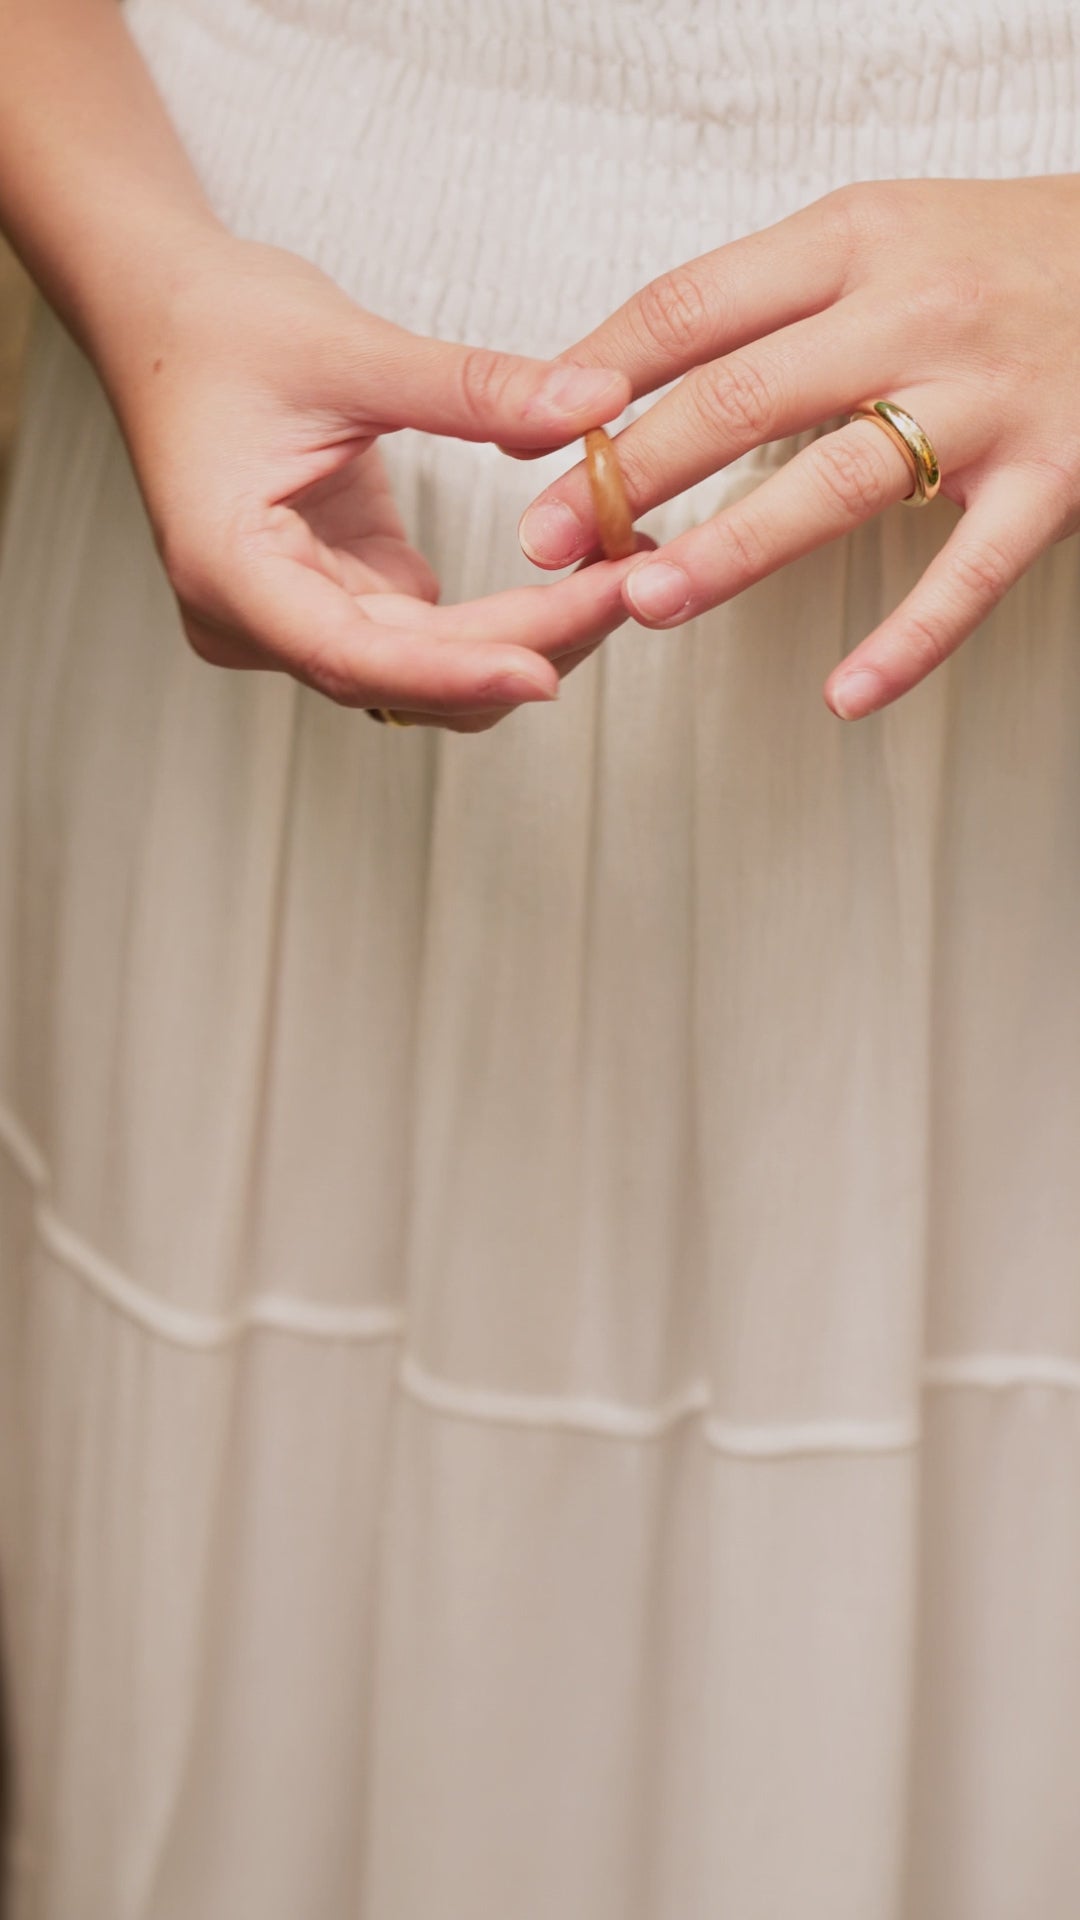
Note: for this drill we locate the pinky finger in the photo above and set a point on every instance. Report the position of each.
(1013, 517)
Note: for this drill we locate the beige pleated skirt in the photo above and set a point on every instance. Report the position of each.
(540, 1271)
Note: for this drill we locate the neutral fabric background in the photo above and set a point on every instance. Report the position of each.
(542, 1329)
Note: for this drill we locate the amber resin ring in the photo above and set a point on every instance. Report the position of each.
(610, 504)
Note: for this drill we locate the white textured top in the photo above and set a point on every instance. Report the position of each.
(506, 170)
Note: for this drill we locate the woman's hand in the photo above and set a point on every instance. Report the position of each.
(252, 398)
(252, 392)
(959, 300)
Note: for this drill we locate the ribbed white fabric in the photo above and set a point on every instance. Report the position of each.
(540, 1331)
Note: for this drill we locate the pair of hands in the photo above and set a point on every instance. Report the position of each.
(254, 414)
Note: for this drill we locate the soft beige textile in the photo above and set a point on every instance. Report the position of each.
(541, 1271)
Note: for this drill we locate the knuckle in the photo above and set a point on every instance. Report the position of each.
(674, 313)
(737, 398)
(854, 476)
(924, 643)
(837, 212)
(743, 540)
(1057, 477)
(982, 572)
(863, 215)
(482, 378)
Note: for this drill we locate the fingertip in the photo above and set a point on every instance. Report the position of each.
(550, 534)
(658, 593)
(851, 696)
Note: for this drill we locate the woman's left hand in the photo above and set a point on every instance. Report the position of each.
(958, 300)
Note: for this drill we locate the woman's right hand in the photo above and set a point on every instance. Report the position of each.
(252, 399)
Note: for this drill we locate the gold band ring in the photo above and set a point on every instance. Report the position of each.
(385, 714)
(914, 444)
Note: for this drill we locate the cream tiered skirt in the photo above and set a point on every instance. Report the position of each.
(539, 1271)
(541, 1310)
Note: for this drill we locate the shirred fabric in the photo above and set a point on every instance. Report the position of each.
(541, 1324)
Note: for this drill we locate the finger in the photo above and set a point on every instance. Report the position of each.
(475, 394)
(825, 490)
(564, 664)
(481, 722)
(548, 620)
(389, 650)
(781, 385)
(722, 299)
(455, 723)
(1011, 520)
(595, 553)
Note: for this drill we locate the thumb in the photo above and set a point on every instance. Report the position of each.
(475, 394)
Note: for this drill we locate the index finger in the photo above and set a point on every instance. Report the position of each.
(721, 300)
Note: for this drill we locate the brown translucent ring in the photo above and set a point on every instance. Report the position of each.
(386, 716)
(610, 504)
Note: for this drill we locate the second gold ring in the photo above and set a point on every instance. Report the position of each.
(914, 443)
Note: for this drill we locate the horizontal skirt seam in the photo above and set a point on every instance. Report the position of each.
(576, 1413)
(995, 1371)
(277, 1313)
(207, 1332)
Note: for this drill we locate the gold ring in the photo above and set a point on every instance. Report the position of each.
(914, 444)
(385, 714)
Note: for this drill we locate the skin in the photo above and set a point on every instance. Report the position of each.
(279, 533)
(281, 538)
(956, 299)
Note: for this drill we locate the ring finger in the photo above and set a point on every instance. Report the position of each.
(825, 490)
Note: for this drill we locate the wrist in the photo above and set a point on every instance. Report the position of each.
(124, 311)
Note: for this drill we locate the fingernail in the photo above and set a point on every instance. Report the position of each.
(552, 534)
(573, 389)
(855, 695)
(513, 688)
(658, 591)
